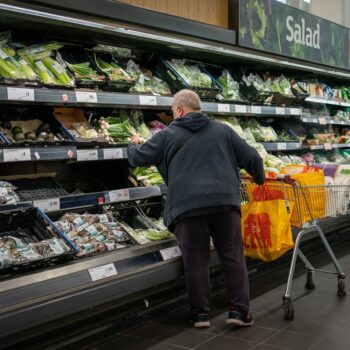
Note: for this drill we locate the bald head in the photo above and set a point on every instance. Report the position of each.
(184, 102)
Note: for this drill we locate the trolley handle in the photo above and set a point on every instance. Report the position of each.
(280, 178)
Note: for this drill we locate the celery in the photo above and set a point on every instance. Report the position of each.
(58, 71)
(35, 49)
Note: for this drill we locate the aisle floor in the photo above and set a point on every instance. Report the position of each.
(322, 320)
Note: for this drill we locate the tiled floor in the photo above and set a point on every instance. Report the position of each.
(322, 320)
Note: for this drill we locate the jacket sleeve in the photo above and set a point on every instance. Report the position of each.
(150, 153)
(248, 158)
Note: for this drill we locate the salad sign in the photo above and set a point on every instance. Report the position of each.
(268, 25)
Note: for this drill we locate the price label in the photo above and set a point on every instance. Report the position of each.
(335, 145)
(87, 154)
(170, 253)
(304, 120)
(327, 146)
(322, 121)
(101, 272)
(282, 146)
(256, 109)
(280, 111)
(119, 195)
(113, 153)
(148, 100)
(240, 109)
(86, 96)
(314, 120)
(20, 94)
(312, 147)
(295, 111)
(47, 205)
(223, 108)
(17, 155)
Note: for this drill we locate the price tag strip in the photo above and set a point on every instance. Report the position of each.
(17, 154)
(101, 272)
(48, 205)
(20, 94)
(240, 109)
(322, 121)
(170, 253)
(119, 195)
(256, 109)
(87, 154)
(113, 153)
(281, 146)
(86, 96)
(280, 111)
(295, 111)
(148, 100)
(223, 108)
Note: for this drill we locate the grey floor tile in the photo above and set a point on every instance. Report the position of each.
(226, 343)
(297, 341)
(162, 346)
(267, 347)
(124, 342)
(255, 333)
(337, 340)
(188, 338)
(272, 319)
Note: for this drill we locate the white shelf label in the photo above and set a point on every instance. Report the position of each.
(86, 96)
(322, 121)
(312, 147)
(281, 146)
(47, 205)
(170, 253)
(256, 109)
(17, 154)
(327, 146)
(119, 195)
(148, 100)
(240, 109)
(113, 153)
(101, 272)
(87, 154)
(20, 94)
(314, 120)
(335, 145)
(223, 108)
(280, 111)
(295, 111)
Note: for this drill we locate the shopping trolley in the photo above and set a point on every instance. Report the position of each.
(311, 205)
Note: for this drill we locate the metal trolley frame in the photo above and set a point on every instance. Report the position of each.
(311, 205)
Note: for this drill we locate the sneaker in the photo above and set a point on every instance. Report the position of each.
(239, 318)
(200, 320)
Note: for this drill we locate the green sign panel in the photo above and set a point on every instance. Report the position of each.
(270, 26)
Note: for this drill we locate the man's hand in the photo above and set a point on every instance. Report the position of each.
(137, 139)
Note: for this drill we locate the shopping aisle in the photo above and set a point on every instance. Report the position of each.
(322, 320)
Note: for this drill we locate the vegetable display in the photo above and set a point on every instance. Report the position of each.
(112, 70)
(7, 193)
(230, 88)
(148, 176)
(93, 233)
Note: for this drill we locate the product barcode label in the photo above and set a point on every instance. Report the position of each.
(87, 154)
(240, 109)
(280, 111)
(101, 272)
(47, 205)
(17, 155)
(170, 253)
(256, 109)
(20, 94)
(148, 100)
(86, 96)
(322, 121)
(113, 153)
(223, 108)
(281, 146)
(119, 195)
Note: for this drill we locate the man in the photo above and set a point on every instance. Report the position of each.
(199, 159)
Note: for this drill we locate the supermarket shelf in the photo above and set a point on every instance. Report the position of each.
(329, 146)
(125, 100)
(324, 100)
(323, 120)
(282, 146)
(26, 154)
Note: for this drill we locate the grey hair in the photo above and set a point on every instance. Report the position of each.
(187, 98)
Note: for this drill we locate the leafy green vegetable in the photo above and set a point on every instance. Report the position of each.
(230, 88)
(148, 176)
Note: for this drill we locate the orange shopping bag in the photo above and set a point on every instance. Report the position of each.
(266, 229)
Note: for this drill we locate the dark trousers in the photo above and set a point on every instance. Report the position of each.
(193, 235)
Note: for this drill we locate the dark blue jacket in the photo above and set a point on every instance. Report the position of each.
(199, 159)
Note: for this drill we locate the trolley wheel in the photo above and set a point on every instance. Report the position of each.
(341, 288)
(288, 309)
(310, 285)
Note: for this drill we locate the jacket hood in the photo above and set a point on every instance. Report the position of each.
(192, 121)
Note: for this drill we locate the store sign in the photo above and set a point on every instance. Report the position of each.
(268, 25)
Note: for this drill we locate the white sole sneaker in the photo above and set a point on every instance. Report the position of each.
(239, 323)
